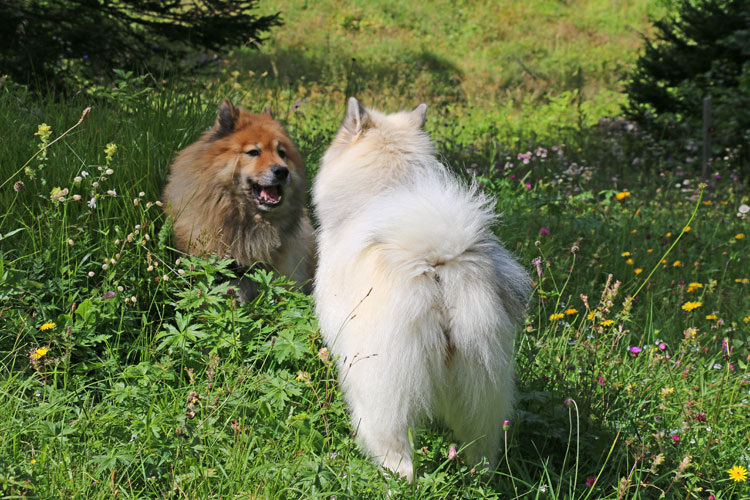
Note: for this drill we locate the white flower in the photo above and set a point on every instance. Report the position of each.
(76, 197)
(743, 209)
(92, 202)
(84, 174)
(109, 171)
(91, 274)
(77, 179)
(112, 192)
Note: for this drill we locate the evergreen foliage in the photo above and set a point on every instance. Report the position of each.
(702, 50)
(46, 42)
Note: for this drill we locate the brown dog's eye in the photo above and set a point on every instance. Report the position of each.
(282, 154)
(254, 152)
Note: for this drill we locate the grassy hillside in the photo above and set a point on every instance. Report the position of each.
(128, 371)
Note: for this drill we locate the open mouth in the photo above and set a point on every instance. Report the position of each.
(266, 196)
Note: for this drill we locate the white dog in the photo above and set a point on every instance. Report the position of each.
(415, 295)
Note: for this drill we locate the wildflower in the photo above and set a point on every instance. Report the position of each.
(662, 346)
(622, 195)
(629, 262)
(109, 171)
(544, 231)
(571, 311)
(452, 453)
(608, 322)
(687, 229)
(693, 287)
(635, 349)
(743, 209)
(506, 425)
(47, 326)
(739, 236)
(112, 192)
(637, 270)
(57, 194)
(737, 473)
(650, 250)
(538, 263)
(18, 186)
(109, 295)
(555, 317)
(711, 316)
(110, 150)
(590, 316)
(590, 482)
(70, 242)
(323, 354)
(92, 202)
(39, 353)
(33, 461)
(90, 274)
(302, 376)
(677, 263)
(689, 306)
(625, 254)
(746, 319)
(76, 197)
(667, 391)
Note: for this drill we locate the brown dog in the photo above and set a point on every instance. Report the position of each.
(239, 191)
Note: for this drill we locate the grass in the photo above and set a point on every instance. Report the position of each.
(129, 371)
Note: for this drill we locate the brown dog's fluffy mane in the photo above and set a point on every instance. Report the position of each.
(204, 197)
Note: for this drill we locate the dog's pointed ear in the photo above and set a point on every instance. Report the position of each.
(226, 118)
(357, 119)
(267, 111)
(420, 114)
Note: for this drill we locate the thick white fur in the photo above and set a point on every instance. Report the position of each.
(415, 295)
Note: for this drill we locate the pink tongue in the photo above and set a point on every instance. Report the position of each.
(269, 193)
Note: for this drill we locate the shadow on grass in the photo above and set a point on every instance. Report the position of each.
(409, 74)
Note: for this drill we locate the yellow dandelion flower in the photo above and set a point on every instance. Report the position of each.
(693, 287)
(629, 262)
(608, 322)
(650, 250)
(687, 229)
(669, 234)
(555, 317)
(737, 474)
(47, 326)
(571, 310)
(39, 353)
(663, 261)
(622, 195)
(676, 263)
(744, 281)
(711, 316)
(638, 212)
(667, 391)
(625, 254)
(590, 316)
(739, 236)
(689, 306)
(634, 231)
(707, 202)
(33, 461)
(746, 319)
(637, 270)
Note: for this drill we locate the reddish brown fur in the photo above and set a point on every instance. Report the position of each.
(208, 198)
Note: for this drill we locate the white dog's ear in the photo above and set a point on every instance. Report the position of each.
(420, 114)
(226, 119)
(356, 120)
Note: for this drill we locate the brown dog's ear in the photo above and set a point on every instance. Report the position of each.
(357, 120)
(267, 111)
(226, 119)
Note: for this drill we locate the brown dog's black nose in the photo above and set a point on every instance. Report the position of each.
(280, 172)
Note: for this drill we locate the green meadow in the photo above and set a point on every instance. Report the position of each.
(130, 371)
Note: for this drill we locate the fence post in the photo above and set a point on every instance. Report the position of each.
(706, 135)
